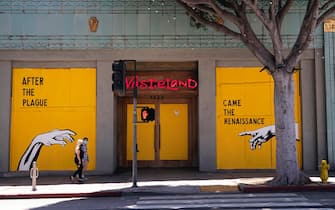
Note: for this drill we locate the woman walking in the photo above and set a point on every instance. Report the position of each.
(78, 159)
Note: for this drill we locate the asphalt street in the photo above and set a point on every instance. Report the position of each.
(164, 189)
(303, 200)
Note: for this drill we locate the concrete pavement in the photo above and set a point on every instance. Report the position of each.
(149, 181)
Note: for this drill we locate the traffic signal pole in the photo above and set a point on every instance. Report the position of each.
(134, 163)
(119, 78)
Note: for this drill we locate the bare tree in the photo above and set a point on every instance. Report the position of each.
(215, 14)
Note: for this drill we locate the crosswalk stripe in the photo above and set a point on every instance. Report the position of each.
(230, 206)
(301, 208)
(234, 195)
(229, 201)
(234, 200)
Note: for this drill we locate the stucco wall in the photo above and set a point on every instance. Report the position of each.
(48, 24)
(312, 93)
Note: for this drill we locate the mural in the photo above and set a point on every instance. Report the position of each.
(50, 106)
(48, 139)
(262, 135)
(245, 119)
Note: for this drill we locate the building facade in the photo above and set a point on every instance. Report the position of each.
(207, 89)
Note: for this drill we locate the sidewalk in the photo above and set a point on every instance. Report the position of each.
(149, 181)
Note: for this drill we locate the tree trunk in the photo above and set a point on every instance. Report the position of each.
(287, 169)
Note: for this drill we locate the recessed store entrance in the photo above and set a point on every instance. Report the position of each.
(168, 141)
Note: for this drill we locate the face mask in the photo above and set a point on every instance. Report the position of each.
(85, 142)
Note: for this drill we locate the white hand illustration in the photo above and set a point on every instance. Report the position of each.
(260, 136)
(50, 138)
(263, 135)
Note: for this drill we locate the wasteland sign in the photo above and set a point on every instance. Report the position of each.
(167, 83)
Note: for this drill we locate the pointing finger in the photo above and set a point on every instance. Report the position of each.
(245, 133)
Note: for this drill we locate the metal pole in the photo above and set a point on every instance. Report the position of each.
(134, 165)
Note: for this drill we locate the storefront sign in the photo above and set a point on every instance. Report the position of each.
(167, 83)
(329, 25)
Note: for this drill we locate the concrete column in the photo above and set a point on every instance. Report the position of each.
(321, 121)
(106, 148)
(207, 115)
(308, 113)
(5, 107)
(330, 93)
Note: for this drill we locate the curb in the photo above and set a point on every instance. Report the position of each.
(218, 188)
(63, 195)
(249, 188)
(147, 191)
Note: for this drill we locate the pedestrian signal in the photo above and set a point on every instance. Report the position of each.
(147, 114)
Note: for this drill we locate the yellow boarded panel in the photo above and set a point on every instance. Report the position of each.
(244, 103)
(47, 104)
(145, 135)
(173, 132)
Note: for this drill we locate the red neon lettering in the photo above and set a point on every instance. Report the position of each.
(173, 85)
(167, 83)
(143, 84)
(130, 83)
(162, 84)
(192, 84)
(151, 83)
(182, 84)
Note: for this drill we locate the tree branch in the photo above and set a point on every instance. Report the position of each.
(250, 39)
(272, 11)
(271, 25)
(325, 14)
(326, 4)
(204, 21)
(283, 11)
(212, 8)
(237, 16)
(305, 35)
(275, 33)
(259, 13)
